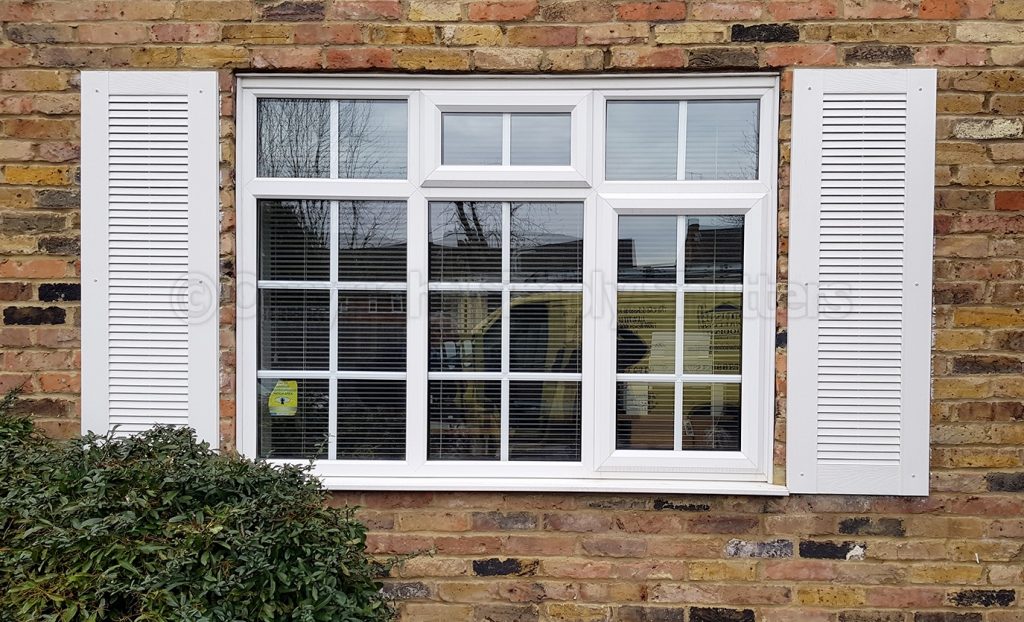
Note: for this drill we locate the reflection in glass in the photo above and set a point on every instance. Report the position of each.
(372, 241)
(465, 331)
(372, 139)
(471, 138)
(644, 415)
(465, 241)
(547, 242)
(712, 331)
(642, 140)
(544, 421)
(293, 138)
(371, 419)
(464, 420)
(645, 342)
(293, 329)
(647, 249)
(721, 140)
(540, 139)
(294, 240)
(711, 417)
(299, 432)
(714, 249)
(545, 332)
(371, 331)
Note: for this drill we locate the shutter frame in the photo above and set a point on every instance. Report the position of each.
(190, 304)
(906, 471)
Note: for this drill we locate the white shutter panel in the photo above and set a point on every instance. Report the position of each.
(149, 251)
(860, 265)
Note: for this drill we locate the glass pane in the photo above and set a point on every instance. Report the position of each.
(643, 140)
(644, 415)
(544, 334)
(295, 240)
(465, 331)
(294, 329)
(711, 417)
(646, 338)
(547, 242)
(371, 419)
(544, 421)
(647, 249)
(721, 140)
(371, 241)
(712, 327)
(465, 241)
(371, 331)
(471, 138)
(292, 418)
(372, 139)
(714, 249)
(541, 139)
(293, 138)
(464, 420)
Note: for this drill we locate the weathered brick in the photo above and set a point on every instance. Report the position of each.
(542, 36)
(880, 55)
(867, 526)
(502, 10)
(504, 567)
(721, 10)
(34, 315)
(359, 58)
(621, 33)
(721, 58)
(432, 60)
(689, 33)
(365, 9)
(40, 33)
(214, 10)
(647, 58)
(294, 11)
(989, 129)
(715, 614)
(652, 11)
(813, 54)
(767, 549)
(435, 11)
(768, 33)
(482, 35)
(955, 9)
(818, 549)
(878, 9)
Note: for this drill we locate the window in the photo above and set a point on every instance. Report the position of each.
(509, 283)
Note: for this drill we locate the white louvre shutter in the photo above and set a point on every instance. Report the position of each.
(149, 251)
(860, 265)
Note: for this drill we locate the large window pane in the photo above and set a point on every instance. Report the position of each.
(644, 415)
(371, 331)
(544, 332)
(646, 338)
(292, 418)
(465, 241)
(642, 140)
(714, 249)
(465, 331)
(294, 240)
(464, 420)
(293, 138)
(544, 421)
(371, 419)
(372, 139)
(721, 140)
(541, 139)
(372, 241)
(294, 329)
(647, 249)
(471, 138)
(712, 327)
(547, 242)
(711, 417)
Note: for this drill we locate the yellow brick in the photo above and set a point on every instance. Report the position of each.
(258, 33)
(953, 388)
(400, 35)
(947, 340)
(949, 574)
(830, 596)
(435, 10)
(472, 35)
(214, 56)
(574, 613)
(432, 60)
(37, 175)
(992, 317)
(722, 571)
(689, 33)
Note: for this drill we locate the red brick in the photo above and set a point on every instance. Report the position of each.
(796, 10)
(578, 11)
(814, 54)
(337, 34)
(651, 11)
(542, 36)
(720, 10)
(184, 33)
(648, 58)
(290, 57)
(878, 9)
(1009, 200)
(951, 55)
(365, 9)
(955, 9)
(503, 10)
(358, 58)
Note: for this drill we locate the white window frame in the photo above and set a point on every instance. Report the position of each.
(748, 471)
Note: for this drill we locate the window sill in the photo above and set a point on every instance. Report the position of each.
(661, 486)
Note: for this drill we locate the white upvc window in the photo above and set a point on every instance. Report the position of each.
(509, 283)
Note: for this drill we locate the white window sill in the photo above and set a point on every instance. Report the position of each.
(660, 486)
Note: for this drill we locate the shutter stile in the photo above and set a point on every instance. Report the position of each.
(860, 206)
(149, 234)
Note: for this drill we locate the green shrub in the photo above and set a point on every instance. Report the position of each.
(159, 527)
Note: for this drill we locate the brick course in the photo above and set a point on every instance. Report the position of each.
(952, 557)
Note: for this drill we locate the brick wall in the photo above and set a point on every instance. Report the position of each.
(957, 556)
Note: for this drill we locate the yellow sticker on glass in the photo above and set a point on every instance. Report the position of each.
(284, 399)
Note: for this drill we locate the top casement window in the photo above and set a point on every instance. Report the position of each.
(509, 283)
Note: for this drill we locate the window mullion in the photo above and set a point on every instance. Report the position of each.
(335, 139)
(506, 139)
(677, 426)
(506, 319)
(332, 390)
(681, 144)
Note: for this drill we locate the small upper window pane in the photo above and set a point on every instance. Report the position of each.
(541, 139)
(293, 138)
(721, 140)
(372, 138)
(643, 140)
(473, 139)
